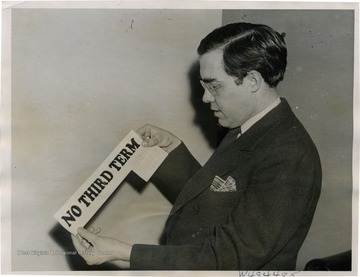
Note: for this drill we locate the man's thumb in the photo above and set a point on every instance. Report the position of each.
(85, 234)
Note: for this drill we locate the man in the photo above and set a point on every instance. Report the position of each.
(251, 205)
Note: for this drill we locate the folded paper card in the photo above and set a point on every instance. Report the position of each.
(128, 156)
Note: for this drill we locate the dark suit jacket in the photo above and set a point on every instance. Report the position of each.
(261, 225)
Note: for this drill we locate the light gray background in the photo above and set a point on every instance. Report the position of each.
(81, 79)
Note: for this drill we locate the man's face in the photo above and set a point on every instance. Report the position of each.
(232, 104)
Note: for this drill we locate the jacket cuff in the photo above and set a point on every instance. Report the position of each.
(145, 257)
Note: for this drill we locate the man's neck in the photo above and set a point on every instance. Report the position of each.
(265, 98)
(266, 104)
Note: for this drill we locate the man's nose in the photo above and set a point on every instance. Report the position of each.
(207, 97)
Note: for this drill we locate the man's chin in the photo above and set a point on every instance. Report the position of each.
(223, 123)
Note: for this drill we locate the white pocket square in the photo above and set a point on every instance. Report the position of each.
(220, 185)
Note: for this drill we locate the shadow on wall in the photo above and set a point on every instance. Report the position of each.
(212, 133)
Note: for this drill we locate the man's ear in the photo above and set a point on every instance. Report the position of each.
(255, 80)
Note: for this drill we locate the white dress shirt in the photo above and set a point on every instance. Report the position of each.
(251, 121)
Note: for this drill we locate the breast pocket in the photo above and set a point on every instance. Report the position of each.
(217, 205)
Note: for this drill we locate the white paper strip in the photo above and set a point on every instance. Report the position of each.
(128, 156)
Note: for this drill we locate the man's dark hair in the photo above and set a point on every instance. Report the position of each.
(249, 47)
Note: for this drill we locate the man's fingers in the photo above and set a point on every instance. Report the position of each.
(150, 142)
(155, 136)
(87, 236)
(144, 132)
(77, 243)
(94, 230)
(83, 242)
(147, 134)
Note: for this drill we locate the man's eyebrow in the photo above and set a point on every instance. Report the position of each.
(207, 80)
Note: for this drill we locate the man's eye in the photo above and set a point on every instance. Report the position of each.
(216, 87)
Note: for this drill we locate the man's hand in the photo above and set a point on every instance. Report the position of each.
(96, 250)
(155, 136)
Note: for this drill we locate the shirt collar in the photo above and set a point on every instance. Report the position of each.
(251, 121)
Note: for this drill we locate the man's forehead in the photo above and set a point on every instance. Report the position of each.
(211, 66)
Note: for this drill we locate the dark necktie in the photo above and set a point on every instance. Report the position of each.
(231, 136)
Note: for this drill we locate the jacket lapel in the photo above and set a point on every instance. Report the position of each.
(221, 163)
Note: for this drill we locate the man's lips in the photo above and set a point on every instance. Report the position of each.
(216, 112)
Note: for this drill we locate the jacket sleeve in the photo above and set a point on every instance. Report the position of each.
(279, 200)
(175, 171)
